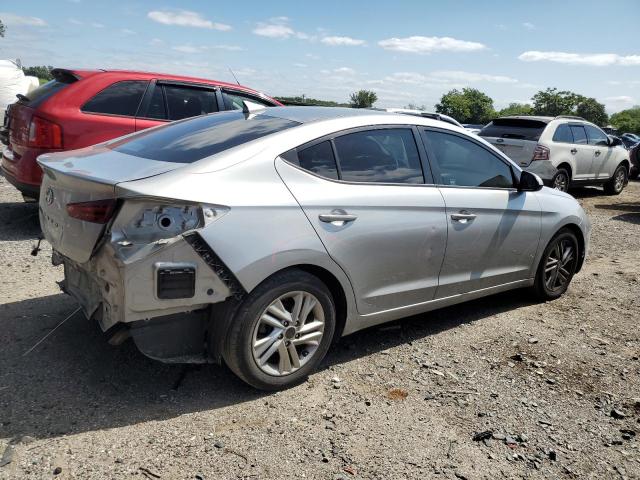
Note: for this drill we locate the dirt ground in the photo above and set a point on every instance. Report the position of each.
(548, 390)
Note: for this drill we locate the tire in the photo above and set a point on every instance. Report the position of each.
(260, 348)
(547, 286)
(561, 180)
(617, 182)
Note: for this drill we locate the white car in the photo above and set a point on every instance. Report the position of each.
(564, 151)
(421, 113)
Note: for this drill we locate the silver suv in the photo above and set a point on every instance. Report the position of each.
(564, 151)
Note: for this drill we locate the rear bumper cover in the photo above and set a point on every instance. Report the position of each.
(27, 189)
(544, 169)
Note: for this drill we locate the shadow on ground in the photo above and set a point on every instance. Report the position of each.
(75, 382)
(633, 209)
(19, 221)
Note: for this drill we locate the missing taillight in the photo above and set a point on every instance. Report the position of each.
(97, 211)
(44, 133)
(540, 153)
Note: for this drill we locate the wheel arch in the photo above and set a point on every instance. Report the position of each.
(567, 166)
(575, 229)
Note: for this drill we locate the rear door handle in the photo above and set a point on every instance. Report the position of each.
(462, 217)
(574, 150)
(337, 216)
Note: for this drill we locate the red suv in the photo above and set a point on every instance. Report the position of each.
(79, 108)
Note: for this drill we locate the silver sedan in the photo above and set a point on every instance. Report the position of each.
(257, 237)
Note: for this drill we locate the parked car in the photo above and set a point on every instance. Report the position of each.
(626, 141)
(631, 136)
(634, 157)
(79, 108)
(563, 151)
(421, 113)
(258, 238)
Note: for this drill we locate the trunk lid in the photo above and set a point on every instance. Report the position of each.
(516, 137)
(85, 175)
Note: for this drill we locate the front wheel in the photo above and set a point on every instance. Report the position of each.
(561, 180)
(281, 331)
(617, 182)
(557, 266)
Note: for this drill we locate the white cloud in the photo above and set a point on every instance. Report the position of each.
(96, 25)
(204, 48)
(75, 21)
(342, 41)
(10, 19)
(470, 77)
(185, 18)
(186, 49)
(590, 59)
(127, 31)
(300, 65)
(278, 27)
(426, 45)
(346, 70)
(529, 26)
(156, 42)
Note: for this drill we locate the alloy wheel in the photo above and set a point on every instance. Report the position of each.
(561, 182)
(618, 182)
(288, 333)
(560, 265)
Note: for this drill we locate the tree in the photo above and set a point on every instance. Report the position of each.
(40, 71)
(627, 121)
(552, 102)
(516, 109)
(363, 99)
(590, 109)
(3, 29)
(467, 106)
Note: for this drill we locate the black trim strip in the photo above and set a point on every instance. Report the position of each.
(223, 272)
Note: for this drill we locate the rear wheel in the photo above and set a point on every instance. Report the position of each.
(616, 184)
(557, 266)
(281, 331)
(561, 180)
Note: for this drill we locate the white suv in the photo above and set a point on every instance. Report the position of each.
(562, 150)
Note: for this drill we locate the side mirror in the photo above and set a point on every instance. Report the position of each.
(529, 182)
(614, 141)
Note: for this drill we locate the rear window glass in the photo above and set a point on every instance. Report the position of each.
(563, 134)
(188, 141)
(121, 98)
(44, 91)
(518, 128)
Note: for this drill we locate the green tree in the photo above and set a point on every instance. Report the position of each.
(467, 106)
(516, 109)
(627, 121)
(552, 102)
(3, 29)
(40, 71)
(363, 99)
(590, 109)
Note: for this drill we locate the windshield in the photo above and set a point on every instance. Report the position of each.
(191, 140)
(518, 128)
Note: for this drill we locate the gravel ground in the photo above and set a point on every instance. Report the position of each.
(549, 390)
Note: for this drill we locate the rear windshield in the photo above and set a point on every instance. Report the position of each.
(188, 141)
(46, 90)
(522, 129)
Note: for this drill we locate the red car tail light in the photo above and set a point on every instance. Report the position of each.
(540, 153)
(99, 211)
(44, 133)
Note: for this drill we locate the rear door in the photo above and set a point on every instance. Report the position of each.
(582, 152)
(517, 138)
(375, 210)
(493, 230)
(603, 156)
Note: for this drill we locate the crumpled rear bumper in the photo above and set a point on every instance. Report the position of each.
(544, 169)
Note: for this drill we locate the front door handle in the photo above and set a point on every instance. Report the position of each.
(463, 216)
(337, 217)
(574, 150)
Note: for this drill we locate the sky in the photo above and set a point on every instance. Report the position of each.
(408, 52)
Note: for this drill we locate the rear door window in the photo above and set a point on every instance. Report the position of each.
(234, 100)
(157, 108)
(186, 101)
(563, 134)
(518, 128)
(318, 159)
(596, 136)
(121, 98)
(579, 135)
(381, 156)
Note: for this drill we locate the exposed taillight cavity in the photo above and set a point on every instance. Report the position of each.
(44, 133)
(97, 211)
(540, 153)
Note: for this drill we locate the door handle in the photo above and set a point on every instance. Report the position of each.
(337, 216)
(598, 152)
(574, 150)
(463, 216)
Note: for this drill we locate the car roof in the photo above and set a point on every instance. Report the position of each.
(315, 114)
(538, 118)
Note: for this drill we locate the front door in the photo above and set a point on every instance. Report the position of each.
(374, 212)
(493, 230)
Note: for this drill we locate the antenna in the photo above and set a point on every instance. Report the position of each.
(234, 75)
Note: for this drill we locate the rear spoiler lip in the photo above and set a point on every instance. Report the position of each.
(60, 74)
